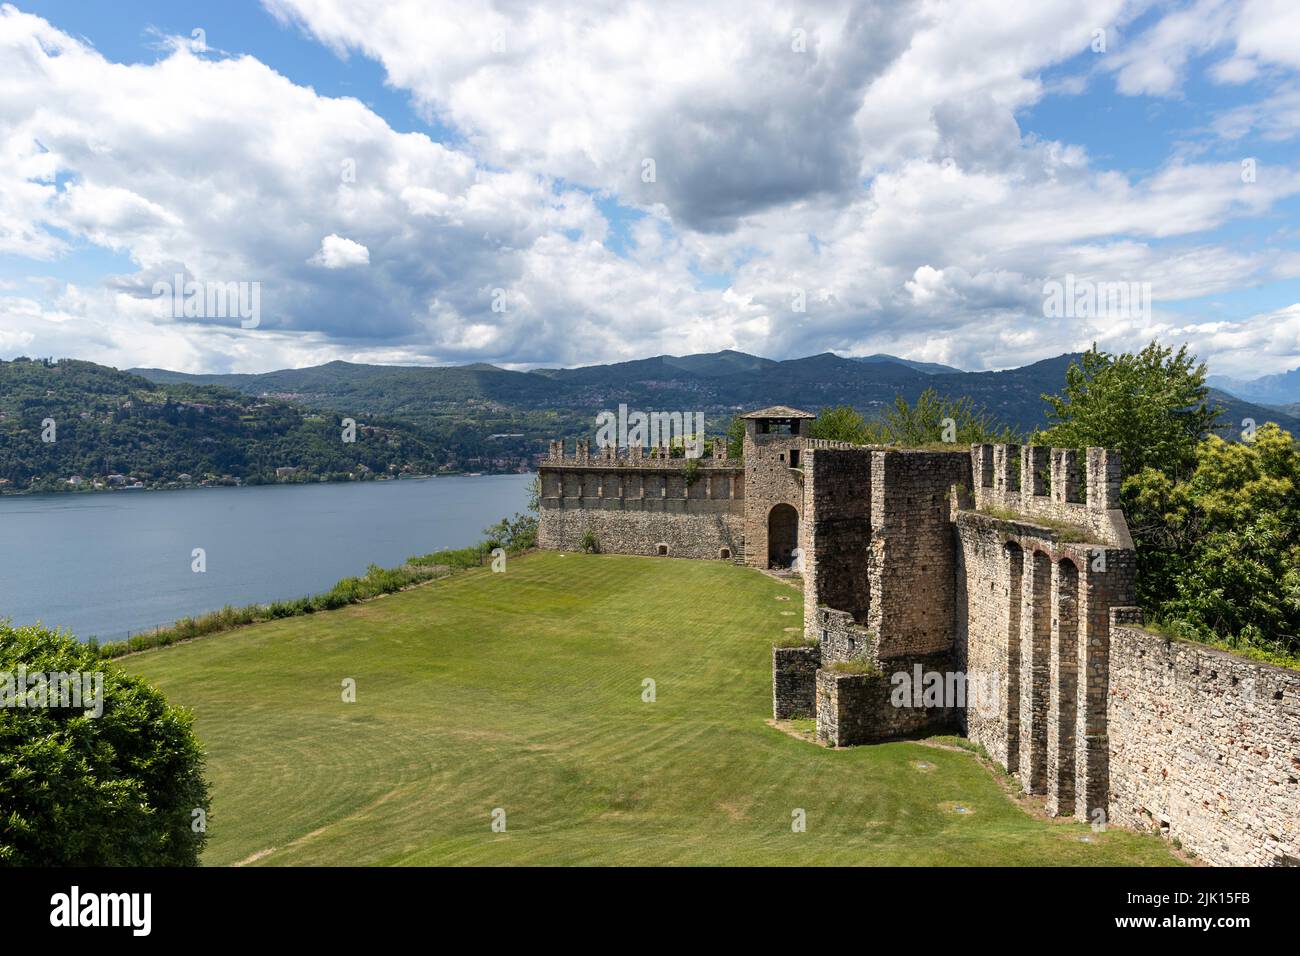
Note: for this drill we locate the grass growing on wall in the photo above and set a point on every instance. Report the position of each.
(523, 691)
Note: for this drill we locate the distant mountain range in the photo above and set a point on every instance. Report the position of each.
(566, 400)
(932, 368)
(1282, 389)
(160, 427)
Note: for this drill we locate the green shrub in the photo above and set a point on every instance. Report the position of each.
(118, 789)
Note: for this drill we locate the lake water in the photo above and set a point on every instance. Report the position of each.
(112, 563)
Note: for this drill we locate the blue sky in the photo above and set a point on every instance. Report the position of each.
(859, 178)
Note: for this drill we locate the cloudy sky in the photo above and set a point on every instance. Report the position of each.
(544, 184)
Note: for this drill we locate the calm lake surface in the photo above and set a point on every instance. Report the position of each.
(112, 563)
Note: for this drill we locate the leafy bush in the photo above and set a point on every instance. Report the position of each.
(588, 542)
(1224, 543)
(119, 789)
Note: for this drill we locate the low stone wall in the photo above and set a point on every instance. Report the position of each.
(794, 681)
(860, 709)
(1204, 748)
(689, 529)
(840, 637)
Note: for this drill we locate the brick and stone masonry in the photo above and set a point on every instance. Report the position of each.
(1204, 747)
(636, 504)
(1011, 567)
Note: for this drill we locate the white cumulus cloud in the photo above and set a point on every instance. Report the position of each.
(336, 252)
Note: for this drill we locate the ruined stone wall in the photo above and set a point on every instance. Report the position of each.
(1204, 748)
(1036, 593)
(835, 536)
(988, 638)
(861, 708)
(794, 681)
(840, 637)
(912, 602)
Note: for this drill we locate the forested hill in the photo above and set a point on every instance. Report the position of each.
(77, 419)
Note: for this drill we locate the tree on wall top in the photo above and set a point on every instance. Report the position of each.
(1151, 405)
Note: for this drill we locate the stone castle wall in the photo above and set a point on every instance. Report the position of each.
(1204, 748)
(677, 529)
(794, 681)
(857, 708)
(635, 504)
(835, 535)
(912, 606)
(1004, 568)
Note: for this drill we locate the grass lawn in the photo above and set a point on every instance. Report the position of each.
(523, 691)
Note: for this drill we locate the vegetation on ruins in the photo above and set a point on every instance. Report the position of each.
(124, 788)
(1216, 524)
(691, 471)
(1061, 530)
(856, 666)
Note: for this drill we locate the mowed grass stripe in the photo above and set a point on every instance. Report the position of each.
(523, 691)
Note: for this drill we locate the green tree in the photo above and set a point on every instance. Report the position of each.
(1220, 552)
(934, 419)
(1151, 405)
(842, 423)
(118, 789)
(736, 438)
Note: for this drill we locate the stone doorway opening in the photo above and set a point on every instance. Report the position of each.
(782, 535)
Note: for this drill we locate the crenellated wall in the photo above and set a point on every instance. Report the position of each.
(637, 504)
(1040, 571)
(1039, 482)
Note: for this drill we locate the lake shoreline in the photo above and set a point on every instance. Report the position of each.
(240, 483)
(114, 566)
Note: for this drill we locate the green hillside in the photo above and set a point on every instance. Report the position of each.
(110, 423)
(523, 691)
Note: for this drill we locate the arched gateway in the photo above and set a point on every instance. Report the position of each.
(782, 535)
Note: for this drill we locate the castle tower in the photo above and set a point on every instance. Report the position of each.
(775, 439)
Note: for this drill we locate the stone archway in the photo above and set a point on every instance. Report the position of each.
(782, 535)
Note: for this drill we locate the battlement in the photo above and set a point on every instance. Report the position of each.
(1046, 483)
(634, 456)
